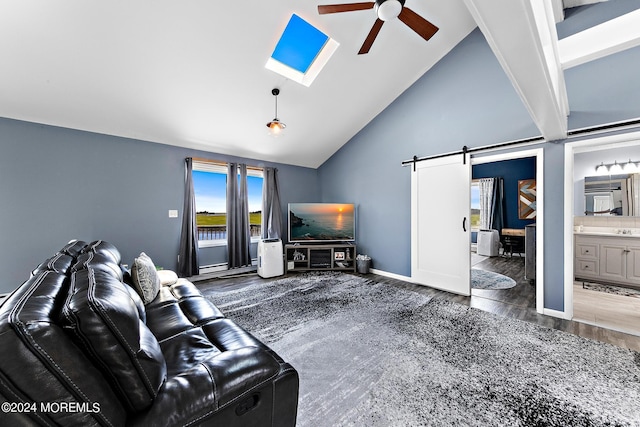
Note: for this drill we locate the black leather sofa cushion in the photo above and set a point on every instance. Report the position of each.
(40, 362)
(106, 321)
(98, 261)
(100, 246)
(59, 263)
(73, 248)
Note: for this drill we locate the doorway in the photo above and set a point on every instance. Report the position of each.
(511, 257)
(587, 302)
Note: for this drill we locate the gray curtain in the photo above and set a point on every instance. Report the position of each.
(497, 208)
(188, 255)
(271, 209)
(238, 232)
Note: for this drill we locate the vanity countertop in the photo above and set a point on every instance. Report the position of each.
(606, 231)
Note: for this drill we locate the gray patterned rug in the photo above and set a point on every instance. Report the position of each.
(371, 354)
(483, 279)
(611, 289)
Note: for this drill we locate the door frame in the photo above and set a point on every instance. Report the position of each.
(570, 149)
(538, 153)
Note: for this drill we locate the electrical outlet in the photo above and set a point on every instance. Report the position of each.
(173, 213)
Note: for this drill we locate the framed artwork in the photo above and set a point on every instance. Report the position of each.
(527, 199)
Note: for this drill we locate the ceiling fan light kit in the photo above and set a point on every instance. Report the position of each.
(276, 126)
(386, 10)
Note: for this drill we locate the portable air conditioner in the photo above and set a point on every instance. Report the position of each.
(270, 261)
(488, 243)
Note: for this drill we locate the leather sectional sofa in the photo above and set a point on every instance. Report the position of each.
(78, 346)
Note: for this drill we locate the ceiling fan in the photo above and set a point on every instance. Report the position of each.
(385, 11)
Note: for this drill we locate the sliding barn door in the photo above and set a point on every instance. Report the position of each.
(440, 224)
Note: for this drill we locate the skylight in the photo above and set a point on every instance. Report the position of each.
(301, 52)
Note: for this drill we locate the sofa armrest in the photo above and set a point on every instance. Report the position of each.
(210, 386)
(167, 277)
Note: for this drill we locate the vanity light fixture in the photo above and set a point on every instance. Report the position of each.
(617, 168)
(276, 126)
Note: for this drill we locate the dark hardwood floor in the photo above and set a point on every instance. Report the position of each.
(522, 295)
(517, 302)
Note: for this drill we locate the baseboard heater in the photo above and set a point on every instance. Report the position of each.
(212, 268)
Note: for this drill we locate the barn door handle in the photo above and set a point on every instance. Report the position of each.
(464, 224)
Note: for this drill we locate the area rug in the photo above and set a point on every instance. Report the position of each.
(483, 279)
(611, 289)
(372, 354)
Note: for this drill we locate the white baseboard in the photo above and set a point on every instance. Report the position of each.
(391, 275)
(555, 313)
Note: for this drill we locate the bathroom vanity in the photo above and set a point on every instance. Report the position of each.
(607, 255)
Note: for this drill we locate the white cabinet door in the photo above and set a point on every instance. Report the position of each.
(633, 264)
(440, 228)
(613, 262)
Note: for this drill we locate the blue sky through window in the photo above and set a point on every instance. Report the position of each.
(211, 192)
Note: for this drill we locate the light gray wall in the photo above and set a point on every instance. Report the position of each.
(466, 99)
(58, 184)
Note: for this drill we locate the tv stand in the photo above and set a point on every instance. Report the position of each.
(308, 257)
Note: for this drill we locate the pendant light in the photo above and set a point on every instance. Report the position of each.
(276, 126)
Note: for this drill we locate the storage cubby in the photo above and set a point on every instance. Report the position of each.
(340, 257)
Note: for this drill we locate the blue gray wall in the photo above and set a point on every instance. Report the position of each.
(466, 99)
(58, 184)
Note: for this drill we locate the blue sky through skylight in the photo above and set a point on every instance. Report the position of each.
(299, 45)
(302, 51)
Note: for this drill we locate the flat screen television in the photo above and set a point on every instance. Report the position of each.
(322, 222)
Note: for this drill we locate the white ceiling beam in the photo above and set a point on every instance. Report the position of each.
(523, 37)
(597, 42)
(558, 10)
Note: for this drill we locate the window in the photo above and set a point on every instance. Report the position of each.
(210, 188)
(475, 205)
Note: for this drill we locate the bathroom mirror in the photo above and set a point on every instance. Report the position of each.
(612, 195)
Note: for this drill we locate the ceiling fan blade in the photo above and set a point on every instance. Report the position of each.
(350, 7)
(417, 23)
(371, 37)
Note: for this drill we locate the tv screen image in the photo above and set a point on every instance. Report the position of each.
(333, 222)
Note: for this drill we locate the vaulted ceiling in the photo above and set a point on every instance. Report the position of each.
(193, 74)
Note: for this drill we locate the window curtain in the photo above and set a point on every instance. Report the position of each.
(485, 187)
(491, 203)
(238, 231)
(271, 208)
(188, 255)
(497, 205)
